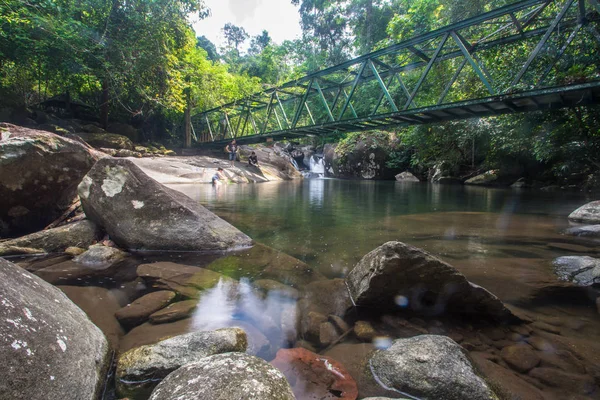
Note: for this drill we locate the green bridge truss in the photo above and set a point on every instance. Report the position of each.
(546, 55)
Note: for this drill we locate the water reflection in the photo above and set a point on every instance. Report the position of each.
(316, 192)
(268, 319)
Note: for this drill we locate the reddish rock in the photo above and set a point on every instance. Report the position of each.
(313, 376)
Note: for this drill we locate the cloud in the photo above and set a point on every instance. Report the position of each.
(243, 9)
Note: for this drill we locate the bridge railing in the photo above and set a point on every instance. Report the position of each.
(515, 58)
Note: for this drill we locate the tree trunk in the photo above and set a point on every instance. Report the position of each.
(188, 121)
(104, 104)
(369, 22)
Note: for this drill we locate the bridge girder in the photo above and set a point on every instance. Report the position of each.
(421, 80)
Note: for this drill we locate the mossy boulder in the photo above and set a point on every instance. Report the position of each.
(225, 376)
(139, 370)
(107, 140)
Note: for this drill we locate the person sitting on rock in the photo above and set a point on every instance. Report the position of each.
(253, 160)
(218, 176)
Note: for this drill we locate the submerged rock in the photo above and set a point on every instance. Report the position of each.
(140, 310)
(582, 270)
(140, 213)
(100, 305)
(139, 370)
(263, 262)
(40, 174)
(508, 383)
(174, 312)
(186, 280)
(588, 213)
(315, 376)
(429, 367)
(585, 231)
(396, 275)
(79, 234)
(225, 376)
(49, 347)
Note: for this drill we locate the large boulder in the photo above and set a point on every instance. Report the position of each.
(51, 350)
(588, 213)
(225, 376)
(139, 370)
(78, 234)
(364, 156)
(399, 275)
(273, 155)
(429, 367)
(40, 174)
(582, 270)
(140, 213)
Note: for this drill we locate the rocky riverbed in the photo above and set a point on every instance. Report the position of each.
(180, 303)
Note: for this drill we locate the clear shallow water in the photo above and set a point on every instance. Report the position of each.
(501, 239)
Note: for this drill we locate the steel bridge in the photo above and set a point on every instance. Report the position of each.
(526, 56)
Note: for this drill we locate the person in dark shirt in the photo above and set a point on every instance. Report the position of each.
(232, 150)
(218, 176)
(253, 160)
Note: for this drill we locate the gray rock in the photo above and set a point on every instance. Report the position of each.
(140, 213)
(582, 270)
(49, 347)
(429, 367)
(100, 256)
(40, 173)
(80, 234)
(585, 231)
(406, 177)
(398, 275)
(588, 213)
(232, 376)
(139, 370)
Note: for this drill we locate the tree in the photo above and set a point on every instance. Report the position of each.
(235, 36)
(211, 50)
(259, 43)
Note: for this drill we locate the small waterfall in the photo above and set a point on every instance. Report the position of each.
(317, 167)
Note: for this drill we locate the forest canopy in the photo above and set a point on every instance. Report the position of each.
(141, 59)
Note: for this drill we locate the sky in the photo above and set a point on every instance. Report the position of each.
(279, 17)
